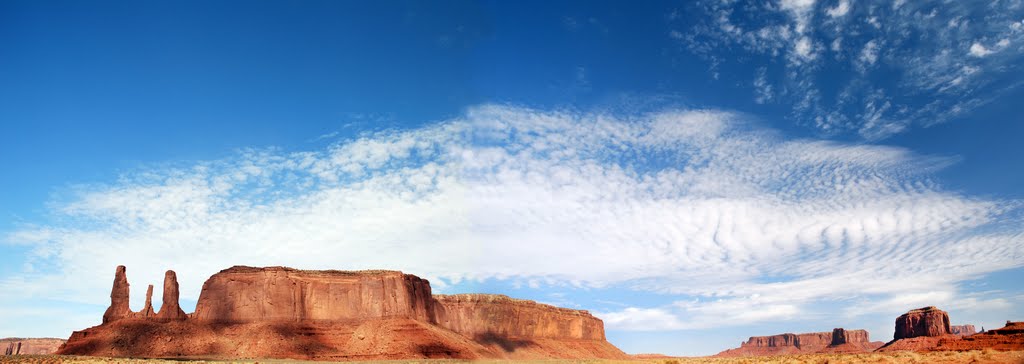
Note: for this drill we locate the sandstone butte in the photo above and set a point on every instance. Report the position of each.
(928, 329)
(35, 346)
(278, 312)
(962, 330)
(837, 341)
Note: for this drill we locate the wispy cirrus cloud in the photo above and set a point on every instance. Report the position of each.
(873, 68)
(730, 217)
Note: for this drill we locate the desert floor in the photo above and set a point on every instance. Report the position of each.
(987, 356)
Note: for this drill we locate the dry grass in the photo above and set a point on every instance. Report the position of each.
(950, 357)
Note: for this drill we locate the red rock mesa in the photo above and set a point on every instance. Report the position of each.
(926, 321)
(21, 346)
(279, 312)
(927, 329)
(837, 341)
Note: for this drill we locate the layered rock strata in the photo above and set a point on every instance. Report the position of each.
(170, 310)
(839, 340)
(33, 346)
(925, 321)
(928, 329)
(280, 312)
(962, 330)
(1009, 337)
(244, 294)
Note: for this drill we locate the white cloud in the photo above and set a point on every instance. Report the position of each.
(869, 54)
(690, 202)
(801, 12)
(804, 49)
(762, 88)
(979, 50)
(642, 319)
(840, 9)
(910, 49)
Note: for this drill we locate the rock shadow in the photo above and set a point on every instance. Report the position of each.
(507, 344)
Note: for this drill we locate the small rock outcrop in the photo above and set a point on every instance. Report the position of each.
(147, 310)
(962, 330)
(32, 346)
(925, 321)
(838, 341)
(279, 312)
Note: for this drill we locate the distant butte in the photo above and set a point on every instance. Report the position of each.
(928, 329)
(34, 346)
(279, 312)
(838, 341)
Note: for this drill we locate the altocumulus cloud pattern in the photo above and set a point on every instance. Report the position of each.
(741, 224)
(876, 68)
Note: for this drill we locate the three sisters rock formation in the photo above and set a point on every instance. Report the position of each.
(278, 312)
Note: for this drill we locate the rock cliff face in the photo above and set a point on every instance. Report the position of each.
(1010, 337)
(962, 330)
(118, 297)
(280, 312)
(476, 315)
(243, 294)
(839, 340)
(926, 321)
(170, 310)
(22, 346)
(841, 336)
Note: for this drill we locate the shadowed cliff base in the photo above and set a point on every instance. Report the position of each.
(278, 312)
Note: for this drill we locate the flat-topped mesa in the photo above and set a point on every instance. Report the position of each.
(1010, 337)
(279, 312)
(839, 340)
(962, 330)
(30, 346)
(925, 321)
(478, 315)
(808, 341)
(247, 294)
(170, 309)
(1011, 328)
(119, 307)
(841, 336)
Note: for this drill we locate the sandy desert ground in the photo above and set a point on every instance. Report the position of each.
(950, 357)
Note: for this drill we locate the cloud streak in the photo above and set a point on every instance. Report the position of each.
(836, 62)
(731, 217)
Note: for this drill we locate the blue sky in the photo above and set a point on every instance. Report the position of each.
(693, 173)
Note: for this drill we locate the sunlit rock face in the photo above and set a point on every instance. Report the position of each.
(838, 341)
(280, 312)
(925, 321)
